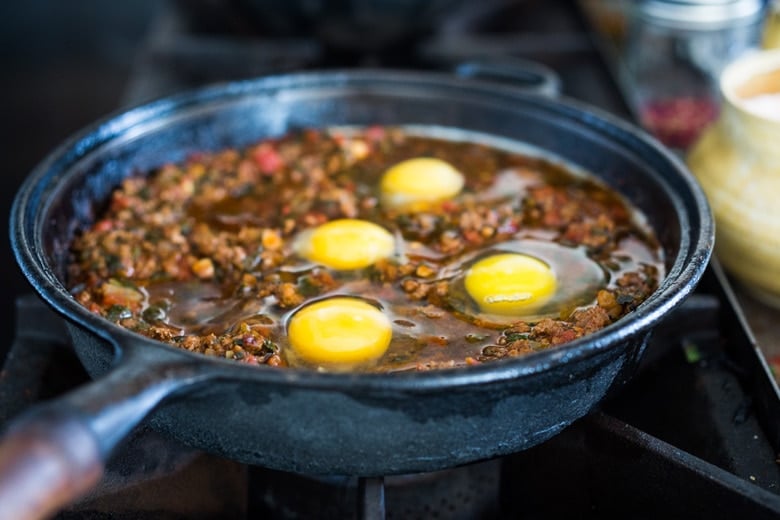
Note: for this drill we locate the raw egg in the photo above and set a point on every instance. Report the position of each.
(345, 244)
(416, 184)
(338, 332)
(509, 283)
(525, 279)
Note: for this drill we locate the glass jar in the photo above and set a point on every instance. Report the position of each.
(674, 54)
(737, 162)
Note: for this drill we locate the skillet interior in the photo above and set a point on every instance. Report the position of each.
(367, 424)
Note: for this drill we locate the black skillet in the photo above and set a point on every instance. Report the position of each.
(318, 423)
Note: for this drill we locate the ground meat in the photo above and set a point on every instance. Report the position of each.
(591, 319)
(200, 254)
(288, 296)
(415, 289)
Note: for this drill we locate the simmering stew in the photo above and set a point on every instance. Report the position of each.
(365, 249)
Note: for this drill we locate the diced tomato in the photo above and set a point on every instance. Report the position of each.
(312, 135)
(472, 236)
(121, 201)
(196, 157)
(563, 337)
(104, 225)
(774, 365)
(115, 294)
(449, 206)
(374, 134)
(268, 159)
(249, 359)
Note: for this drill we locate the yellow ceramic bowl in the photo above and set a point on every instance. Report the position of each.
(737, 161)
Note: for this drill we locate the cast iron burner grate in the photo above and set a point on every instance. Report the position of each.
(693, 434)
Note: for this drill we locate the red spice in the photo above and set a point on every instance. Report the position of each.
(677, 122)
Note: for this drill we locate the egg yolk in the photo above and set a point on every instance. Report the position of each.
(416, 184)
(346, 244)
(339, 331)
(510, 283)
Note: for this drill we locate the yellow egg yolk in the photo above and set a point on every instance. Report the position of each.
(509, 283)
(416, 184)
(345, 244)
(339, 331)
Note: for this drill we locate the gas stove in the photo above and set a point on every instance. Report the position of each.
(695, 433)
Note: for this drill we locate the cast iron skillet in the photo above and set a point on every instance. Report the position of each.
(301, 421)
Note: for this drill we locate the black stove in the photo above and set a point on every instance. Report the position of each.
(695, 433)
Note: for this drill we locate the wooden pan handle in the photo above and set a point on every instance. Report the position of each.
(56, 452)
(47, 460)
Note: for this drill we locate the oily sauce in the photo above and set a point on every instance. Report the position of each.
(202, 254)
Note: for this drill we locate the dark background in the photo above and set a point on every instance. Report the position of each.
(67, 64)
(64, 65)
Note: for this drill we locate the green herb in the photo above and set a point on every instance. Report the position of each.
(243, 191)
(270, 346)
(307, 287)
(118, 312)
(154, 235)
(516, 336)
(113, 262)
(153, 314)
(404, 221)
(116, 282)
(159, 276)
(494, 351)
(253, 260)
(692, 353)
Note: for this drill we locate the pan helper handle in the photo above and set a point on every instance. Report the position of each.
(528, 75)
(53, 454)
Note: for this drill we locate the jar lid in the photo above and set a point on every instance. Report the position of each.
(701, 14)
